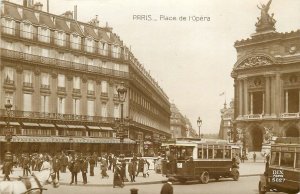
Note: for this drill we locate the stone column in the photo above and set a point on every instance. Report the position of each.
(267, 97)
(251, 103)
(279, 103)
(240, 85)
(98, 98)
(263, 104)
(299, 103)
(36, 95)
(83, 99)
(245, 97)
(53, 96)
(286, 102)
(273, 96)
(69, 91)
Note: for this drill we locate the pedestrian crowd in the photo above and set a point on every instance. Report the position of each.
(79, 163)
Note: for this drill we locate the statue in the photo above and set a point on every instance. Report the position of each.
(265, 22)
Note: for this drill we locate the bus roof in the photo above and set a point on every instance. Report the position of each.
(287, 140)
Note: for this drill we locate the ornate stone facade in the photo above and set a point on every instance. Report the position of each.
(267, 85)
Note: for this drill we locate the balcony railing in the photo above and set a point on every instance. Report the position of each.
(27, 84)
(61, 89)
(55, 116)
(44, 86)
(104, 94)
(75, 90)
(91, 92)
(60, 63)
(290, 115)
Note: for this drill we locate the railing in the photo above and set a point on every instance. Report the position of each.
(55, 116)
(9, 82)
(44, 86)
(91, 92)
(76, 90)
(61, 89)
(290, 115)
(104, 94)
(27, 84)
(60, 63)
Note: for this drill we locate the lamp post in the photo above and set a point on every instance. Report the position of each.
(8, 134)
(199, 123)
(122, 91)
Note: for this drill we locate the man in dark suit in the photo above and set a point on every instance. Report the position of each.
(167, 188)
(84, 168)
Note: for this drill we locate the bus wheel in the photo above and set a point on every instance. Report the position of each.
(204, 177)
(235, 174)
(217, 178)
(261, 188)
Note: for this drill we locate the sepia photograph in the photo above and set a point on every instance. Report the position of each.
(150, 97)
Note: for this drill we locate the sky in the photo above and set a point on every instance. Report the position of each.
(192, 59)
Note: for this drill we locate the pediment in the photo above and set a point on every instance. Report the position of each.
(254, 61)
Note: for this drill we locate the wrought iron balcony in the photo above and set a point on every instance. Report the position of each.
(44, 86)
(27, 84)
(61, 64)
(9, 82)
(75, 90)
(290, 115)
(91, 92)
(56, 116)
(61, 89)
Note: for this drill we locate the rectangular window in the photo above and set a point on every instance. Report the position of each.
(90, 85)
(76, 106)
(89, 47)
(292, 101)
(43, 34)
(8, 26)
(60, 38)
(104, 109)
(26, 30)
(9, 74)
(76, 82)
(45, 79)
(44, 104)
(27, 102)
(27, 76)
(61, 105)
(27, 49)
(103, 48)
(90, 107)
(287, 159)
(257, 102)
(61, 80)
(117, 67)
(275, 158)
(104, 86)
(116, 51)
(75, 41)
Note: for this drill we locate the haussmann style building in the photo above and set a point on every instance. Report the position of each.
(267, 84)
(60, 75)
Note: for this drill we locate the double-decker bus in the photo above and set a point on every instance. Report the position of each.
(195, 159)
(282, 172)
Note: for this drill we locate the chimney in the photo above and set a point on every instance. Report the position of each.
(75, 12)
(48, 6)
(68, 14)
(25, 3)
(38, 6)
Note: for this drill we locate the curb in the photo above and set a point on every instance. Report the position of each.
(126, 183)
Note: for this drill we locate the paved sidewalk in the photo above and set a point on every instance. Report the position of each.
(246, 169)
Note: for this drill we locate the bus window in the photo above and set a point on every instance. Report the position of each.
(227, 154)
(275, 158)
(204, 153)
(298, 160)
(218, 153)
(199, 153)
(189, 152)
(210, 153)
(287, 159)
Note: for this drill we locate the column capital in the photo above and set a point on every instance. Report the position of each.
(242, 77)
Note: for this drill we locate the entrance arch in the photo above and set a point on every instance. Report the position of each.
(256, 139)
(292, 132)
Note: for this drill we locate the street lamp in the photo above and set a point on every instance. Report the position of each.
(122, 91)
(199, 123)
(8, 134)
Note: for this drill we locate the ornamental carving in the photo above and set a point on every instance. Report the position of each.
(255, 61)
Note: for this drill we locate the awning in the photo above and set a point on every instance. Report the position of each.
(10, 123)
(55, 139)
(76, 126)
(47, 125)
(31, 124)
(106, 128)
(93, 127)
(61, 126)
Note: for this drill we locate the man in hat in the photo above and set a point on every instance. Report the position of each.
(84, 168)
(167, 188)
(7, 167)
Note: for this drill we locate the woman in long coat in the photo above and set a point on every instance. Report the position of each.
(118, 180)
